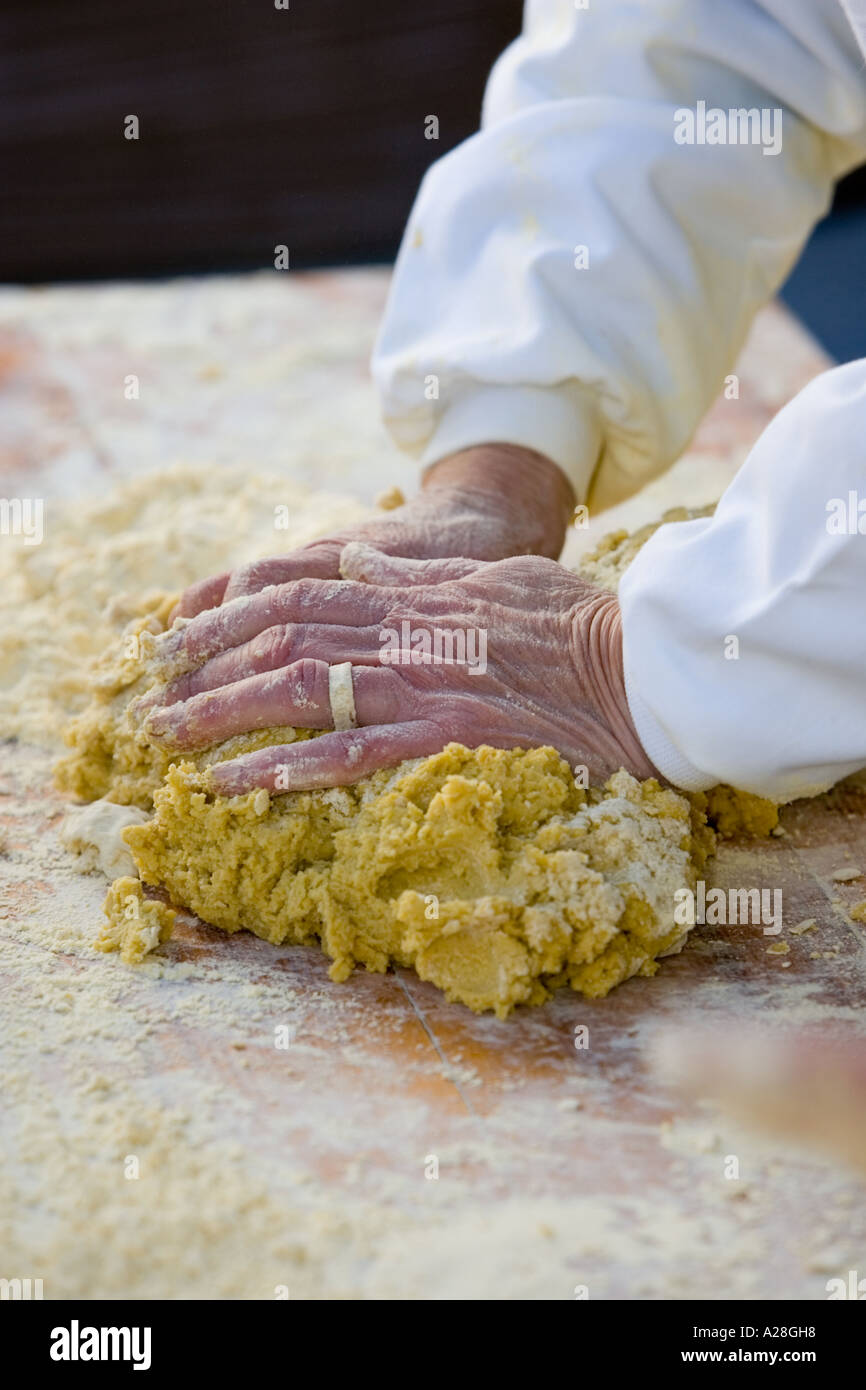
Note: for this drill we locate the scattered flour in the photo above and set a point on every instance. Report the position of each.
(63, 603)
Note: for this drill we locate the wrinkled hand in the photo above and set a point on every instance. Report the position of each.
(486, 503)
(552, 675)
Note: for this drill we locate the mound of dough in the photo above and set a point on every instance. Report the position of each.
(491, 873)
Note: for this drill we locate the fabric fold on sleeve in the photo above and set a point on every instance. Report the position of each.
(744, 633)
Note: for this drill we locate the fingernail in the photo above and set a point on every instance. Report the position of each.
(159, 723)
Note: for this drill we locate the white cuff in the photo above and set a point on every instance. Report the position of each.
(659, 748)
(561, 423)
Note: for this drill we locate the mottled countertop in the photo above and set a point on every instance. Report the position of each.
(312, 1167)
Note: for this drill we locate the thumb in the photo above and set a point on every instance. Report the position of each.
(367, 565)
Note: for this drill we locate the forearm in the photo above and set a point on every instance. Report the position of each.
(516, 502)
(573, 279)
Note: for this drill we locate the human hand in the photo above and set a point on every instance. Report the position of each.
(542, 665)
(486, 503)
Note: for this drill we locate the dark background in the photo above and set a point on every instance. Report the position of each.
(262, 127)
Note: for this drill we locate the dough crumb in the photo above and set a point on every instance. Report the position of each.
(94, 834)
(808, 924)
(135, 925)
(390, 499)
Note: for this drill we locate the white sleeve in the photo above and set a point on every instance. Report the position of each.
(500, 328)
(744, 634)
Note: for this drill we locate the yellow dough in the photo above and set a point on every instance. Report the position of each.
(608, 562)
(491, 873)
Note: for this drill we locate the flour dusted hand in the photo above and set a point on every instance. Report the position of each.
(511, 653)
(486, 503)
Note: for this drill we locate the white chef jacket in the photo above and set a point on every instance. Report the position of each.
(579, 277)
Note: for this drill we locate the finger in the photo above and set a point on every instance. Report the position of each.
(367, 565)
(270, 651)
(318, 562)
(334, 760)
(334, 602)
(207, 593)
(297, 695)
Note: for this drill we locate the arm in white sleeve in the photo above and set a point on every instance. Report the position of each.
(493, 332)
(744, 634)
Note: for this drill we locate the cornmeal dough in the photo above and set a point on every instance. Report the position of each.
(492, 873)
(135, 925)
(608, 562)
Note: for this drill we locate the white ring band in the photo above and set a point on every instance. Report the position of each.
(341, 693)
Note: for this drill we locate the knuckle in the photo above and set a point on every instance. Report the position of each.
(303, 591)
(302, 679)
(246, 578)
(271, 648)
(262, 570)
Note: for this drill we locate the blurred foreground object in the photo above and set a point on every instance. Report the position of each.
(796, 1087)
